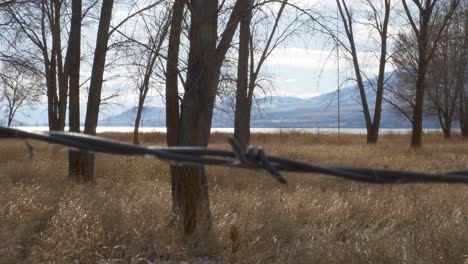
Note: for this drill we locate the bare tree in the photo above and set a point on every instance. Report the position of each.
(94, 95)
(445, 78)
(242, 112)
(379, 21)
(463, 71)
(74, 157)
(427, 34)
(152, 52)
(172, 73)
(38, 26)
(206, 56)
(19, 87)
(248, 80)
(105, 30)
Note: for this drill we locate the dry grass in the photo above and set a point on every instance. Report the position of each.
(44, 218)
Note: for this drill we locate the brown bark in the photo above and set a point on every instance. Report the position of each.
(94, 96)
(416, 135)
(172, 74)
(62, 72)
(242, 112)
(141, 99)
(426, 51)
(74, 49)
(373, 136)
(463, 79)
(189, 184)
(247, 80)
(190, 191)
(372, 124)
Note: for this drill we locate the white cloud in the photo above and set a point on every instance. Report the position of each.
(318, 60)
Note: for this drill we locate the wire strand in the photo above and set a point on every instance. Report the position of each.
(253, 158)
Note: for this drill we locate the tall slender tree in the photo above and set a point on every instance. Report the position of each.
(39, 25)
(152, 53)
(249, 67)
(97, 75)
(243, 106)
(74, 168)
(172, 73)
(427, 34)
(380, 18)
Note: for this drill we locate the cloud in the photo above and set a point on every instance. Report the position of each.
(318, 60)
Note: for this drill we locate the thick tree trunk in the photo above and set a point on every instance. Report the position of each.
(52, 95)
(416, 136)
(94, 96)
(62, 74)
(74, 157)
(172, 74)
(447, 128)
(464, 117)
(189, 184)
(190, 192)
(242, 112)
(464, 127)
(464, 88)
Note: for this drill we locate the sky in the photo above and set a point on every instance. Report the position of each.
(306, 65)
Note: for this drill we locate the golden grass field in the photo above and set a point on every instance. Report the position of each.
(126, 213)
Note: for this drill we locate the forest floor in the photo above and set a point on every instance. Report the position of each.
(126, 213)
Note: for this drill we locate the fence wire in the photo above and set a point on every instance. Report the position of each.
(253, 158)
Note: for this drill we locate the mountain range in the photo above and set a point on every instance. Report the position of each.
(268, 112)
(288, 112)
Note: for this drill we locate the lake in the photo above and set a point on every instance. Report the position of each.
(358, 131)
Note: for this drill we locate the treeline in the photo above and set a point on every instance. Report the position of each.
(196, 51)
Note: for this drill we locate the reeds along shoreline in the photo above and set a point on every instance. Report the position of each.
(44, 218)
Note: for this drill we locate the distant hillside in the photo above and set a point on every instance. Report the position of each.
(274, 112)
(289, 112)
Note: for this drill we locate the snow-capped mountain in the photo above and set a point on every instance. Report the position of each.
(269, 112)
(289, 112)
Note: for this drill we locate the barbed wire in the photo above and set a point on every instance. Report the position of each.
(253, 158)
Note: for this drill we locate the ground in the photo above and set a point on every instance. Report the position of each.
(126, 213)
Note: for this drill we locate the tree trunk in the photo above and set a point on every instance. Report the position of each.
(346, 18)
(145, 86)
(94, 96)
(62, 74)
(74, 157)
(464, 88)
(52, 92)
(447, 128)
(172, 74)
(373, 136)
(136, 138)
(189, 184)
(190, 192)
(242, 112)
(464, 117)
(416, 136)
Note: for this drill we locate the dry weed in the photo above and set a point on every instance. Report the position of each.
(126, 214)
